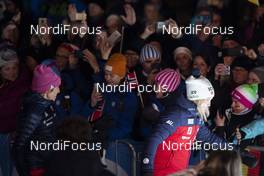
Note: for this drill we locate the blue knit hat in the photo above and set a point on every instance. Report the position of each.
(149, 52)
(52, 64)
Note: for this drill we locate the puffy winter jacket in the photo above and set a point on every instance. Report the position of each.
(232, 122)
(68, 103)
(35, 124)
(253, 129)
(179, 126)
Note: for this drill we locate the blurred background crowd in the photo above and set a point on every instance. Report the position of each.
(47, 85)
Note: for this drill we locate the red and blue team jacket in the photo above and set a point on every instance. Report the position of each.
(168, 148)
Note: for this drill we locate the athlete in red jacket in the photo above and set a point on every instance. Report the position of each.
(169, 147)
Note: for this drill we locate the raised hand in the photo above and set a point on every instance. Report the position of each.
(130, 17)
(172, 24)
(219, 121)
(72, 12)
(149, 30)
(220, 70)
(16, 18)
(238, 136)
(105, 47)
(250, 53)
(95, 97)
(91, 59)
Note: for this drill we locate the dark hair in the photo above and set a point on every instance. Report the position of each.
(75, 129)
(222, 163)
(205, 58)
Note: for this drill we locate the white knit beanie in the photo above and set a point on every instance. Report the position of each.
(182, 50)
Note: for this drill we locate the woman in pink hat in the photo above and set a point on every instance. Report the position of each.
(36, 122)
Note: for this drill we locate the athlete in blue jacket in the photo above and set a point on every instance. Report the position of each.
(168, 149)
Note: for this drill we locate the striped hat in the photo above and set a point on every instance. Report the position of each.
(246, 94)
(169, 78)
(149, 52)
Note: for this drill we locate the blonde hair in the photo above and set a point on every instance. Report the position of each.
(222, 163)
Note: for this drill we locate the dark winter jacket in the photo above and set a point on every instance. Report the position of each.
(68, 103)
(179, 123)
(232, 122)
(120, 109)
(35, 124)
(11, 99)
(76, 163)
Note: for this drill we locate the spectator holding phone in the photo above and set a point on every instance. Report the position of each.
(68, 60)
(238, 73)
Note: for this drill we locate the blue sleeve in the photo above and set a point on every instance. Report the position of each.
(124, 123)
(162, 131)
(254, 129)
(205, 135)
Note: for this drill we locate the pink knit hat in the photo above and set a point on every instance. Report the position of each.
(168, 77)
(44, 79)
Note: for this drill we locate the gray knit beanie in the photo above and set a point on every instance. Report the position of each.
(7, 56)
